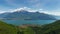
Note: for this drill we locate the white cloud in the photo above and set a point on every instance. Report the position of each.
(2, 12)
(37, 5)
(40, 10)
(10, 2)
(34, 3)
(56, 13)
(24, 8)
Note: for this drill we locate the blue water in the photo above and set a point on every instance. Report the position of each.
(20, 22)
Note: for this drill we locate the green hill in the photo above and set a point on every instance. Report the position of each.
(7, 29)
(53, 28)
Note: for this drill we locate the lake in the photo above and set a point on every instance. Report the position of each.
(20, 22)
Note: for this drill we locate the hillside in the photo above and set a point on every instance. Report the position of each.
(7, 28)
(52, 28)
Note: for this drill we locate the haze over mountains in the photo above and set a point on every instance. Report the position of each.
(24, 14)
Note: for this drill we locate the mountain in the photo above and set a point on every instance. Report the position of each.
(25, 15)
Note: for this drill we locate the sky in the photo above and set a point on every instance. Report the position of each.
(47, 6)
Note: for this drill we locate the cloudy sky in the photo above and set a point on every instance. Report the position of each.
(49, 6)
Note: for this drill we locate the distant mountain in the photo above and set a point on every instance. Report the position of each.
(25, 15)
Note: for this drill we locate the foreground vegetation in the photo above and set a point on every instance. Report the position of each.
(7, 28)
(53, 28)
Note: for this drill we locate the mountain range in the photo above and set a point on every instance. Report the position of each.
(26, 15)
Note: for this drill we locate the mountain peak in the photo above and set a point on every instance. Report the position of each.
(25, 15)
(24, 9)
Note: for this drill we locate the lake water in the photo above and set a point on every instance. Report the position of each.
(20, 22)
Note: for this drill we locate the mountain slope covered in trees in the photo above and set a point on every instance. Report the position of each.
(7, 28)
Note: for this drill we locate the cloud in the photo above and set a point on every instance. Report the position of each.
(24, 8)
(50, 4)
(55, 12)
(22, 3)
(2, 12)
(34, 3)
(13, 3)
(44, 4)
(10, 2)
